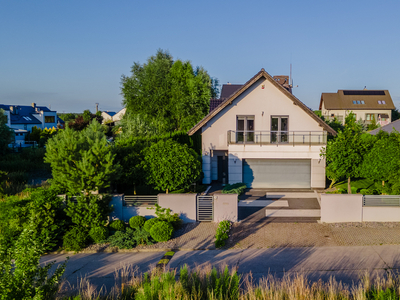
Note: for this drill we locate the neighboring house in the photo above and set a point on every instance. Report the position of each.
(388, 128)
(263, 136)
(111, 116)
(25, 117)
(367, 105)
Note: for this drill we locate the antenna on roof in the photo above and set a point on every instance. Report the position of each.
(97, 107)
(291, 78)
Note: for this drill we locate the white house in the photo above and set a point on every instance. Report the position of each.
(368, 105)
(263, 136)
(111, 116)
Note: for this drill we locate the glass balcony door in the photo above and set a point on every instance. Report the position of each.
(245, 129)
(279, 129)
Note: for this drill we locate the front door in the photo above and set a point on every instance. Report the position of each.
(223, 169)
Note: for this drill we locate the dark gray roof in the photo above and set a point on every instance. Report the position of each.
(229, 89)
(388, 128)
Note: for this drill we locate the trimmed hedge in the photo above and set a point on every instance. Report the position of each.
(150, 223)
(98, 234)
(161, 231)
(137, 221)
(237, 188)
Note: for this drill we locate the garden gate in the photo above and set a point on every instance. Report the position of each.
(205, 208)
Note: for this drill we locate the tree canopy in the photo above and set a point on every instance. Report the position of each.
(81, 161)
(5, 133)
(166, 94)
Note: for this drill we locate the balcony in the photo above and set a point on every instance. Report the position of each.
(306, 138)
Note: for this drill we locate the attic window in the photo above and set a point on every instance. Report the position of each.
(358, 102)
(381, 102)
(27, 118)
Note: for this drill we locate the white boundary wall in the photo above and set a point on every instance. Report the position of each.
(226, 207)
(339, 208)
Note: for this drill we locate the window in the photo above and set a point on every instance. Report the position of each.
(381, 102)
(358, 102)
(49, 119)
(369, 117)
(362, 102)
(354, 102)
(279, 129)
(245, 129)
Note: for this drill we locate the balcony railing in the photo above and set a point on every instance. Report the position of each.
(277, 137)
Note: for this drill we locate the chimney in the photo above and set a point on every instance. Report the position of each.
(12, 109)
(33, 104)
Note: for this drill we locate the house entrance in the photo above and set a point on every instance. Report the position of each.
(223, 169)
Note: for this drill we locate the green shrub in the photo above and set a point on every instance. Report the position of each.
(161, 231)
(222, 233)
(164, 214)
(237, 188)
(149, 223)
(117, 225)
(130, 238)
(137, 221)
(366, 192)
(75, 239)
(98, 234)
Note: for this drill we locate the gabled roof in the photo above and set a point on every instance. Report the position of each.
(367, 99)
(388, 128)
(261, 74)
(25, 113)
(229, 89)
(110, 113)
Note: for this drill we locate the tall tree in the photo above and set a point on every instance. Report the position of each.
(5, 133)
(81, 161)
(171, 94)
(345, 154)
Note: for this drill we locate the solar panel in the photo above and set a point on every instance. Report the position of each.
(364, 93)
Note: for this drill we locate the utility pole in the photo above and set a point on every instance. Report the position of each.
(97, 107)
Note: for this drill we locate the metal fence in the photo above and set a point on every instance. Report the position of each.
(381, 200)
(205, 208)
(138, 200)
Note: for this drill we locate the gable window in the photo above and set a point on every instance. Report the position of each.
(279, 129)
(245, 129)
(49, 119)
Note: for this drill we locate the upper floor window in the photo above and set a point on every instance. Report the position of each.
(279, 129)
(358, 102)
(245, 128)
(381, 102)
(49, 119)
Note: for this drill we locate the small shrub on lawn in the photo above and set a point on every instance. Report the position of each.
(222, 233)
(237, 188)
(161, 231)
(117, 225)
(149, 223)
(98, 234)
(137, 221)
(366, 192)
(75, 239)
(130, 238)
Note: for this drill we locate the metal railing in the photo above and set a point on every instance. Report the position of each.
(277, 137)
(137, 200)
(381, 200)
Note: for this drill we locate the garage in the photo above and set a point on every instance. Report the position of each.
(277, 173)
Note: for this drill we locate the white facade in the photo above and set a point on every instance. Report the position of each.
(262, 100)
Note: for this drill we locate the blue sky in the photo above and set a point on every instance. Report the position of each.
(71, 54)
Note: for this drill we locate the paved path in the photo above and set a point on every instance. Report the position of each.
(345, 263)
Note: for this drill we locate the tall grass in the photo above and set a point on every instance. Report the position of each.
(210, 283)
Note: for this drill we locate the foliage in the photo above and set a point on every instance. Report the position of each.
(6, 133)
(137, 221)
(382, 162)
(395, 114)
(67, 116)
(237, 188)
(98, 234)
(76, 239)
(84, 120)
(117, 225)
(167, 95)
(89, 210)
(373, 124)
(81, 161)
(345, 153)
(171, 166)
(130, 238)
(222, 233)
(130, 152)
(149, 224)
(161, 231)
(21, 277)
(164, 214)
(366, 192)
(41, 136)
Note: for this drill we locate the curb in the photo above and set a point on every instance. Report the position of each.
(128, 250)
(165, 260)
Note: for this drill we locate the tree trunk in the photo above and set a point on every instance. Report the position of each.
(167, 191)
(348, 186)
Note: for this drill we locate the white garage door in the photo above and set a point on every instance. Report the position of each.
(277, 173)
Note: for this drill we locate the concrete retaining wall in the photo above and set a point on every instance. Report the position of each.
(182, 204)
(225, 207)
(337, 208)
